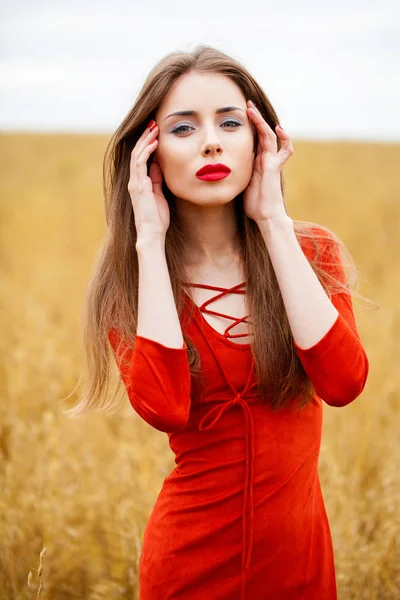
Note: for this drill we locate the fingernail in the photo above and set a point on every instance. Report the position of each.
(150, 125)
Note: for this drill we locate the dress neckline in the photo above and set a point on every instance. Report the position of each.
(221, 336)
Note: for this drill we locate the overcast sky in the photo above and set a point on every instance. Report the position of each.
(330, 68)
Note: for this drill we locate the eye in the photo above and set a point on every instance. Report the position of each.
(234, 122)
(179, 128)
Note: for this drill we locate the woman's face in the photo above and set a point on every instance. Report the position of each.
(187, 143)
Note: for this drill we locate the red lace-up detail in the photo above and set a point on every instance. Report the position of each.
(216, 411)
(235, 289)
(209, 420)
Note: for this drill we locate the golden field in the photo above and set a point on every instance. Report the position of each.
(84, 488)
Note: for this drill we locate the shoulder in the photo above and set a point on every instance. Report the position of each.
(314, 239)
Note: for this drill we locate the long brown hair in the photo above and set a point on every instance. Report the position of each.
(112, 296)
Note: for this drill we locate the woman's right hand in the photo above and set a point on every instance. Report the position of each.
(150, 207)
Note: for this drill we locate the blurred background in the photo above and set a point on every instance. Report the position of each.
(69, 73)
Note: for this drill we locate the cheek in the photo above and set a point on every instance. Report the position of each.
(173, 157)
(247, 143)
(178, 161)
(176, 167)
(247, 170)
(253, 137)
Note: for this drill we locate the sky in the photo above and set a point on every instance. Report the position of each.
(331, 69)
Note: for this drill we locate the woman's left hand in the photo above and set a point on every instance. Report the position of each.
(263, 198)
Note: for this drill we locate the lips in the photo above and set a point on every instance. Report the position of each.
(213, 172)
(213, 168)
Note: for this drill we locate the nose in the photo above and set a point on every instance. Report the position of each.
(212, 148)
(212, 144)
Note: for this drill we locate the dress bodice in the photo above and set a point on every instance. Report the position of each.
(225, 396)
(236, 289)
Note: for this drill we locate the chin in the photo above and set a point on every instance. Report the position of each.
(210, 193)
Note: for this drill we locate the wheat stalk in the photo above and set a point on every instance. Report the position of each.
(39, 574)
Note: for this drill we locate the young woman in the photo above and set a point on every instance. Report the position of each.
(231, 324)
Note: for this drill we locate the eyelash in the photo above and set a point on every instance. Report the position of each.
(176, 130)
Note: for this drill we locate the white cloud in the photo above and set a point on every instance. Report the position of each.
(328, 69)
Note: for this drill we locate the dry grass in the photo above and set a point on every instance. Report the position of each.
(84, 488)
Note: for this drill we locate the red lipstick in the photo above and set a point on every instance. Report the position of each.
(213, 172)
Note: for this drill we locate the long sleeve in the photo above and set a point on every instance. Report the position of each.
(157, 381)
(337, 364)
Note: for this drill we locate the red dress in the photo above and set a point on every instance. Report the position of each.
(241, 516)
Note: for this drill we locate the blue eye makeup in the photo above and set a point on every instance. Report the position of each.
(179, 128)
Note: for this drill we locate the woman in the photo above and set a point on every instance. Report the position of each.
(195, 203)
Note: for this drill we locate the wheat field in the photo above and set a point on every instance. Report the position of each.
(83, 489)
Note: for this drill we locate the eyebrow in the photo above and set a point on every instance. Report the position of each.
(188, 113)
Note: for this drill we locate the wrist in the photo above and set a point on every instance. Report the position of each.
(146, 240)
(277, 223)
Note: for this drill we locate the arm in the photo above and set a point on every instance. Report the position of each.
(155, 369)
(157, 315)
(324, 331)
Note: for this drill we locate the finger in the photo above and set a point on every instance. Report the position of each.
(156, 177)
(138, 163)
(146, 137)
(266, 134)
(286, 143)
(147, 150)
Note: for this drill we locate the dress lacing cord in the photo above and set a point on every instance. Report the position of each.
(235, 290)
(207, 422)
(212, 417)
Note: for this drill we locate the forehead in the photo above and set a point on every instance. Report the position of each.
(201, 92)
